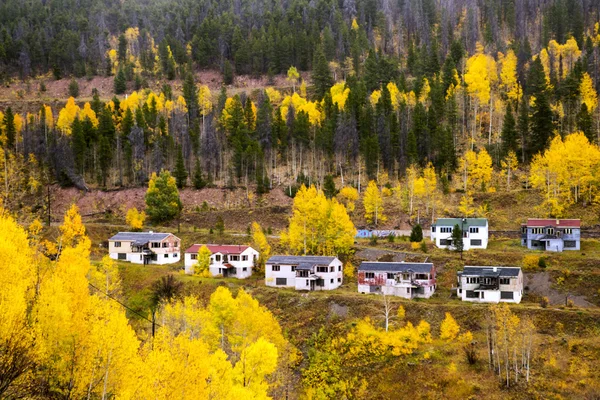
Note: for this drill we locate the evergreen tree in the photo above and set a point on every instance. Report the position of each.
(78, 145)
(416, 234)
(120, 83)
(329, 187)
(190, 94)
(180, 171)
(585, 123)
(509, 132)
(321, 75)
(122, 49)
(162, 198)
(227, 73)
(457, 239)
(542, 127)
(198, 181)
(523, 127)
(104, 159)
(74, 88)
(10, 130)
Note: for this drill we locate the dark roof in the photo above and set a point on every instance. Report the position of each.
(218, 248)
(297, 260)
(557, 223)
(395, 266)
(458, 221)
(489, 271)
(140, 237)
(549, 237)
(305, 266)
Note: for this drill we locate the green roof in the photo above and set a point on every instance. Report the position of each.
(458, 221)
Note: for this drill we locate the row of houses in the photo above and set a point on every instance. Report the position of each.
(312, 273)
(537, 234)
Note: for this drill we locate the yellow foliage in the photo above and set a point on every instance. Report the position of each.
(339, 94)
(274, 96)
(354, 24)
(87, 112)
(373, 203)
(49, 117)
(262, 244)
(374, 97)
(449, 329)
(318, 225)
(424, 94)
(348, 196)
(394, 95)
(480, 75)
(205, 100)
(589, 97)
(508, 75)
(132, 102)
(67, 115)
(530, 262)
(201, 267)
(135, 219)
(465, 207)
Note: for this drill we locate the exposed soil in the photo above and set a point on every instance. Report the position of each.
(540, 284)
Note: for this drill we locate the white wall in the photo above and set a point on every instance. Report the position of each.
(331, 279)
(215, 266)
(481, 235)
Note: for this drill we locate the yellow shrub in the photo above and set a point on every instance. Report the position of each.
(415, 245)
(530, 262)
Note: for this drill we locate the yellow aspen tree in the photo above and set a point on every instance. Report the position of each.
(374, 97)
(449, 329)
(508, 76)
(293, 76)
(135, 219)
(589, 97)
(482, 173)
(67, 115)
(348, 196)
(466, 165)
(201, 267)
(465, 208)
(261, 243)
(430, 185)
(373, 203)
(570, 53)
(509, 165)
(339, 94)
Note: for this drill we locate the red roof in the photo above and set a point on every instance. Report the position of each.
(557, 223)
(218, 248)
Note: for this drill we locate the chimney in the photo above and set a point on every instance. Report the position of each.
(150, 232)
(557, 221)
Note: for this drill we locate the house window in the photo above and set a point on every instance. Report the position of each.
(390, 275)
(570, 243)
(175, 255)
(293, 268)
(302, 274)
(176, 244)
(245, 269)
(524, 229)
(165, 244)
(166, 256)
(117, 244)
(505, 281)
(244, 258)
(369, 275)
(473, 229)
(218, 257)
(433, 229)
(122, 256)
(194, 256)
(471, 294)
(275, 268)
(307, 282)
(332, 269)
(234, 258)
(339, 280)
(331, 280)
(475, 242)
(155, 245)
(568, 231)
(446, 229)
(507, 295)
(550, 231)
(407, 290)
(281, 281)
(339, 268)
(322, 269)
(422, 276)
(445, 242)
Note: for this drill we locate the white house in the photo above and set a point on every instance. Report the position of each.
(304, 272)
(403, 279)
(145, 247)
(490, 284)
(475, 232)
(234, 261)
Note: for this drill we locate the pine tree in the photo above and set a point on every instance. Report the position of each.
(321, 75)
(198, 181)
(120, 83)
(10, 130)
(74, 88)
(162, 198)
(457, 239)
(180, 171)
(190, 94)
(416, 234)
(509, 132)
(78, 145)
(104, 159)
(542, 127)
(523, 127)
(329, 187)
(585, 123)
(227, 73)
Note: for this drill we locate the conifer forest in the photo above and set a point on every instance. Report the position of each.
(299, 199)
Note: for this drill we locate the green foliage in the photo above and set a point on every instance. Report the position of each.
(198, 179)
(162, 198)
(457, 239)
(180, 171)
(220, 225)
(227, 73)
(329, 187)
(74, 88)
(120, 82)
(416, 233)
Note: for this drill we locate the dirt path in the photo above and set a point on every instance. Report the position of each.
(540, 283)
